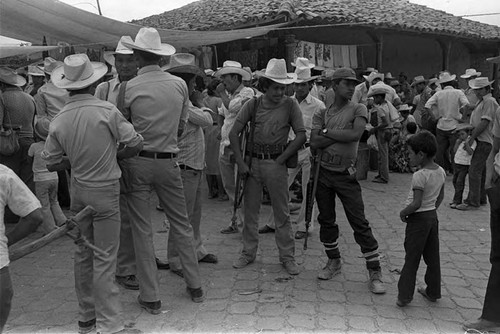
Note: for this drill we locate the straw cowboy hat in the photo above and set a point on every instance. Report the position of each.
(433, 81)
(183, 63)
(233, 67)
(404, 107)
(148, 40)
(327, 74)
(377, 89)
(418, 79)
(303, 70)
(109, 56)
(372, 76)
(394, 83)
(10, 77)
(35, 71)
(77, 72)
(389, 76)
(276, 71)
(480, 82)
(446, 77)
(50, 64)
(470, 72)
(345, 73)
(209, 72)
(463, 126)
(42, 127)
(369, 70)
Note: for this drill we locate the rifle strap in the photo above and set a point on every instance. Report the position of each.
(256, 101)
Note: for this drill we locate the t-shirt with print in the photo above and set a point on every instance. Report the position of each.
(430, 181)
(40, 171)
(21, 201)
(339, 155)
(272, 124)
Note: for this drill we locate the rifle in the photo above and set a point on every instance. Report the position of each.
(311, 191)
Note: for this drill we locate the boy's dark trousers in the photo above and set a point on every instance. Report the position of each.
(421, 239)
(459, 175)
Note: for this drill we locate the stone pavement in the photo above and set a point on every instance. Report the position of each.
(263, 297)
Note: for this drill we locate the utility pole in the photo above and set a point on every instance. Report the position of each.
(99, 7)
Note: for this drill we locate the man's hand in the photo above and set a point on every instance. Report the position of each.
(403, 216)
(221, 88)
(197, 99)
(243, 169)
(280, 160)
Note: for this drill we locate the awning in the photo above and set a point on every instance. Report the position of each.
(31, 20)
(9, 51)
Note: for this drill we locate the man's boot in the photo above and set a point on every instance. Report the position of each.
(331, 269)
(375, 284)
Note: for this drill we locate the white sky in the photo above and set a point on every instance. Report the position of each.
(126, 10)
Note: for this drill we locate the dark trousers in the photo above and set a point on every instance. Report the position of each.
(348, 189)
(459, 174)
(491, 307)
(477, 174)
(6, 294)
(421, 239)
(445, 141)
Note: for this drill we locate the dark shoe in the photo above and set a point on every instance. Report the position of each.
(159, 207)
(402, 303)
(242, 262)
(331, 269)
(375, 284)
(162, 265)
(379, 180)
(483, 203)
(223, 198)
(266, 229)
(197, 295)
(466, 207)
(85, 327)
(128, 282)
(482, 326)
(178, 272)
(423, 292)
(151, 307)
(291, 267)
(209, 258)
(300, 235)
(231, 229)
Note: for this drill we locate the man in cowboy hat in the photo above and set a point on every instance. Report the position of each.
(424, 93)
(328, 95)
(448, 101)
(308, 105)
(87, 130)
(157, 103)
(336, 132)
(482, 119)
(50, 99)
(234, 95)
(272, 116)
(191, 157)
(37, 80)
(469, 75)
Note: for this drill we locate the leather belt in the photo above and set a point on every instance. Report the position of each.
(157, 155)
(185, 167)
(215, 123)
(265, 156)
(306, 145)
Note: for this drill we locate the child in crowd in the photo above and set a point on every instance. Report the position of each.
(421, 235)
(45, 181)
(463, 155)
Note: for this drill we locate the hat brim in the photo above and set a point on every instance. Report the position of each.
(347, 78)
(451, 78)
(164, 50)
(466, 76)
(291, 78)
(35, 129)
(17, 81)
(301, 66)
(60, 81)
(463, 127)
(306, 80)
(418, 82)
(185, 69)
(245, 75)
(109, 56)
(471, 85)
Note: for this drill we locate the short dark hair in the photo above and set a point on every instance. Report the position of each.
(425, 142)
(212, 86)
(187, 77)
(148, 56)
(265, 83)
(411, 127)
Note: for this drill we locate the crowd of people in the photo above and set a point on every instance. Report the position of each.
(110, 144)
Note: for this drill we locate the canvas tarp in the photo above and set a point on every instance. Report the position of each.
(31, 20)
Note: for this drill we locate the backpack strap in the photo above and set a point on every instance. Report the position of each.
(120, 101)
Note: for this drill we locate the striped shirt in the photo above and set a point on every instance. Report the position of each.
(17, 108)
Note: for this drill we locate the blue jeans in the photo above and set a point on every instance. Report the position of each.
(275, 178)
(348, 189)
(6, 294)
(46, 192)
(477, 174)
(445, 142)
(421, 240)
(98, 295)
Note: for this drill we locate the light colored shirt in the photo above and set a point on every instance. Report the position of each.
(495, 129)
(157, 102)
(192, 141)
(17, 109)
(15, 194)
(308, 106)
(462, 157)
(471, 96)
(108, 91)
(360, 94)
(40, 172)
(383, 111)
(448, 102)
(50, 100)
(87, 130)
(329, 97)
(420, 104)
(485, 109)
(430, 181)
(237, 99)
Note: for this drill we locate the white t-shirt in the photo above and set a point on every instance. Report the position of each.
(430, 181)
(461, 155)
(15, 194)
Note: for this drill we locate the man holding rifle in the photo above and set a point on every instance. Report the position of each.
(336, 132)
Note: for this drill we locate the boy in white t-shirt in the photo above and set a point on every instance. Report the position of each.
(463, 155)
(45, 182)
(421, 235)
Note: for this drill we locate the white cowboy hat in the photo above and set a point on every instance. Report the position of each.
(276, 71)
(372, 76)
(470, 72)
(209, 72)
(77, 72)
(10, 77)
(480, 82)
(303, 62)
(404, 107)
(446, 77)
(370, 70)
(109, 56)
(148, 40)
(233, 67)
(389, 76)
(35, 71)
(183, 63)
(50, 64)
(377, 89)
(418, 79)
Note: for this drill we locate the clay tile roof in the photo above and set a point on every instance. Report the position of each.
(390, 14)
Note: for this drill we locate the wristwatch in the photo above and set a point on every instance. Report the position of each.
(324, 131)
